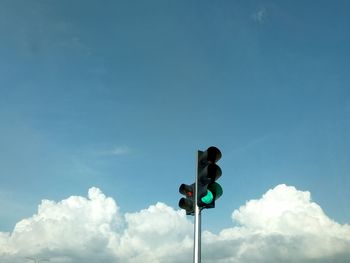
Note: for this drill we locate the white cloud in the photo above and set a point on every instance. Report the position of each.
(260, 15)
(284, 225)
(119, 150)
(155, 234)
(75, 226)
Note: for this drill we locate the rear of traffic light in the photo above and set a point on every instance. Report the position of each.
(207, 173)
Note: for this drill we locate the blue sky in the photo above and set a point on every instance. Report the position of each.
(121, 94)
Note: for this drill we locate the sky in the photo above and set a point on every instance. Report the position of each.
(104, 104)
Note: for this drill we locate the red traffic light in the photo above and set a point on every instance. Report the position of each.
(188, 202)
(187, 190)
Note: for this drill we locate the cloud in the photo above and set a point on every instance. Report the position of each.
(119, 150)
(260, 15)
(284, 225)
(252, 143)
(77, 226)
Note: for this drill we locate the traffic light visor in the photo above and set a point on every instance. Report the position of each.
(186, 204)
(216, 190)
(213, 154)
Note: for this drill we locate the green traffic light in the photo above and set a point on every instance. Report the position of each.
(208, 198)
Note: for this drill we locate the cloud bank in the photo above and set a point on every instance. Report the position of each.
(284, 225)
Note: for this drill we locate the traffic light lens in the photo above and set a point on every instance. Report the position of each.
(208, 198)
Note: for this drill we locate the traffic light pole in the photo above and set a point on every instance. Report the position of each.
(197, 221)
(197, 236)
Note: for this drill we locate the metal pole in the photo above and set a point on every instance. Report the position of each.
(197, 236)
(197, 221)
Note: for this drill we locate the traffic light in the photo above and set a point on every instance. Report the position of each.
(207, 187)
(202, 193)
(207, 173)
(187, 202)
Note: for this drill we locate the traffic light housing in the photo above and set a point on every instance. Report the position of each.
(187, 202)
(207, 189)
(207, 174)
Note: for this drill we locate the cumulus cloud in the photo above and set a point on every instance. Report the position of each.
(284, 225)
(78, 227)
